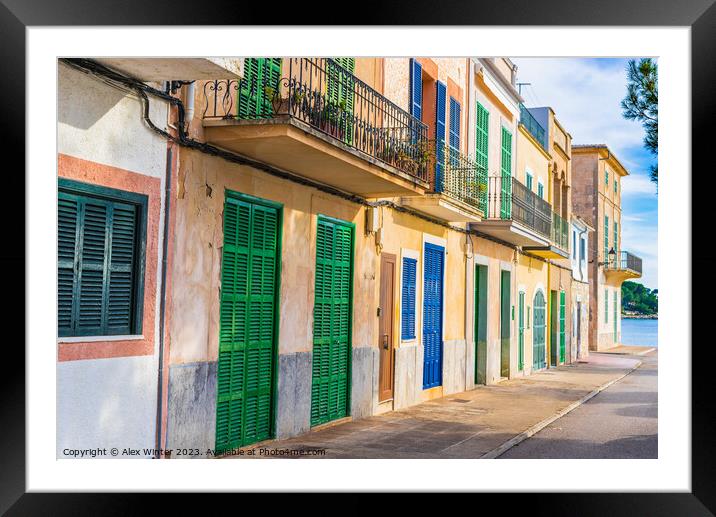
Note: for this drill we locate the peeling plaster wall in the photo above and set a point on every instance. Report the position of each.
(197, 267)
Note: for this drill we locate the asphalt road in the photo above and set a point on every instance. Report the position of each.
(620, 422)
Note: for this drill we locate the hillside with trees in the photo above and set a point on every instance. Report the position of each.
(639, 301)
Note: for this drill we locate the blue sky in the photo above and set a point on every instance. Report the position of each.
(585, 95)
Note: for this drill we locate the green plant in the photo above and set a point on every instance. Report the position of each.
(269, 92)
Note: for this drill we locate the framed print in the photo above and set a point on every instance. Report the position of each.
(408, 248)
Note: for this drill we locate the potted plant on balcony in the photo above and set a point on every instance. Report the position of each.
(278, 104)
(332, 119)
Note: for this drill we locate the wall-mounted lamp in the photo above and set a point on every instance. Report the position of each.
(612, 254)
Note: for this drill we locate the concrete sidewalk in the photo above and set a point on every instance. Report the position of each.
(479, 423)
(629, 350)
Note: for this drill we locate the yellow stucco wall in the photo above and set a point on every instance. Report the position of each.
(497, 258)
(497, 119)
(531, 157)
(197, 262)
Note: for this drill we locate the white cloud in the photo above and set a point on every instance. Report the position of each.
(585, 97)
(642, 240)
(638, 185)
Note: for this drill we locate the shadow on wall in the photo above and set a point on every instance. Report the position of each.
(81, 107)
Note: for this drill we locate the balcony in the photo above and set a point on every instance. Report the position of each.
(533, 127)
(517, 215)
(560, 232)
(312, 117)
(623, 267)
(458, 187)
(169, 68)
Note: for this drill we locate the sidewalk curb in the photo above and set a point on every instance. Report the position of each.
(501, 449)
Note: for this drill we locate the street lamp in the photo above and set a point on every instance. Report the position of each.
(612, 254)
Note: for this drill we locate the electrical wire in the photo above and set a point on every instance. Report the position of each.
(143, 90)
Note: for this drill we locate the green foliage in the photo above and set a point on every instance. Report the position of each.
(641, 103)
(639, 299)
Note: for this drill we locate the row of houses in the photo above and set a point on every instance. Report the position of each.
(249, 249)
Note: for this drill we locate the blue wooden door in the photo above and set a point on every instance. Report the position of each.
(433, 316)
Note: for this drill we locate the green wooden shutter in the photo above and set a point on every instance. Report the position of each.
(247, 323)
(482, 122)
(97, 258)
(521, 326)
(616, 241)
(562, 323)
(505, 303)
(253, 100)
(67, 240)
(332, 321)
(340, 93)
(506, 171)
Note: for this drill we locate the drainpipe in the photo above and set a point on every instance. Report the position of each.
(189, 103)
(162, 300)
(548, 312)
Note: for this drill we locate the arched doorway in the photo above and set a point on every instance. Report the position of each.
(539, 328)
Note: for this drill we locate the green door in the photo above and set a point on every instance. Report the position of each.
(562, 333)
(480, 324)
(332, 321)
(539, 332)
(505, 324)
(521, 334)
(554, 328)
(247, 321)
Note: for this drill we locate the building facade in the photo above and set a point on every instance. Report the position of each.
(597, 200)
(341, 238)
(579, 236)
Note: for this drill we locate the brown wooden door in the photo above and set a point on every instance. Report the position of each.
(385, 326)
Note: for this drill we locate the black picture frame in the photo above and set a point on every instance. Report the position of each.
(699, 15)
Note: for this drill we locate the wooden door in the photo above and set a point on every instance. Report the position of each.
(386, 313)
(433, 315)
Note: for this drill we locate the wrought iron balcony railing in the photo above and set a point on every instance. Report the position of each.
(330, 99)
(560, 231)
(460, 177)
(534, 127)
(625, 261)
(510, 199)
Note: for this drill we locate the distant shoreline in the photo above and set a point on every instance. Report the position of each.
(640, 316)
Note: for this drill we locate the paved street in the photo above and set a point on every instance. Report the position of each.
(474, 423)
(620, 422)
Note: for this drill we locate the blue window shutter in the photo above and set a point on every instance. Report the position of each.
(407, 324)
(440, 98)
(416, 89)
(454, 124)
